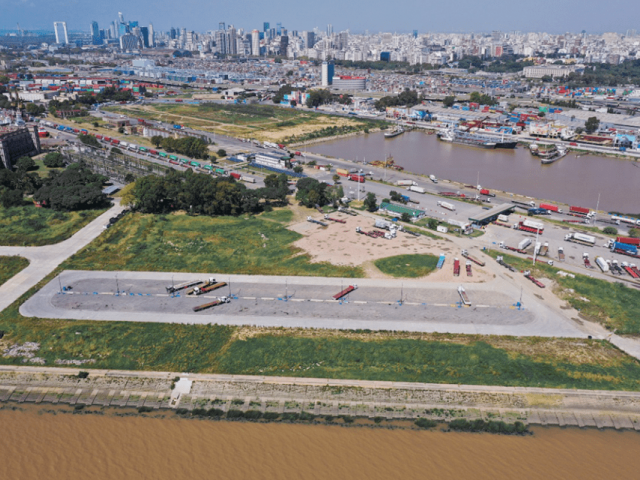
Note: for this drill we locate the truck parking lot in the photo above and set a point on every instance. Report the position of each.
(298, 301)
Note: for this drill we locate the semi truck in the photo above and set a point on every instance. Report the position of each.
(524, 243)
(463, 296)
(550, 207)
(602, 263)
(406, 183)
(484, 191)
(209, 288)
(356, 178)
(447, 205)
(624, 248)
(456, 267)
(580, 238)
(529, 226)
(345, 292)
(215, 303)
(580, 211)
(465, 254)
(182, 286)
(629, 241)
(414, 188)
(433, 178)
(343, 172)
(561, 254)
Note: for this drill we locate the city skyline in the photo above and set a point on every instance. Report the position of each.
(198, 15)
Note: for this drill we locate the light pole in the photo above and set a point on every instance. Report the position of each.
(595, 217)
(535, 247)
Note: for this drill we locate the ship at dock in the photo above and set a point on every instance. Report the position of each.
(550, 154)
(475, 139)
(395, 132)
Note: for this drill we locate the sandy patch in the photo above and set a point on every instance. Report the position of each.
(340, 244)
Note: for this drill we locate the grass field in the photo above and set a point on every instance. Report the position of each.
(33, 226)
(42, 170)
(614, 305)
(9, 266)
(262, 122)
(181, 243)
(407, 266)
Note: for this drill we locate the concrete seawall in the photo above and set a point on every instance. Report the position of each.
(391, 400)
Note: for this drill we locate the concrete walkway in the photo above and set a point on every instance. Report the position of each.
(43, 260)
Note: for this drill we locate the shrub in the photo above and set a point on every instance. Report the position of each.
(610, 230)
(53, 160)
(26, 164)
(253, 414)
(77, 408)
(145, 409)
(198, 412)
(290, 417)
(347, 418)
(270, 415)
(214, 412)
(83, 374)
(181, 411)
(378, 419)
(235, 413)
(306, 416)
(425, 423)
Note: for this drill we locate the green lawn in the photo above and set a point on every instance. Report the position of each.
(181, 243)
(282, 215)
(407, 266)
(613, 304)
(9, 266)
(42, 170)
(31, 226)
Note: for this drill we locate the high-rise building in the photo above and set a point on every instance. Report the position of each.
(309, 39)
(152, 41)
(284, 45)
(329, 30)
(60, 29)
(114, 30)
(144, 34)
(232, 40)
(129, 41)
(172, 33)
(120, 17)
(95, 34)
(343, 40)
(221, 26)
(279, 28)
(328, 70)
(415, 34)
(255, 43)
(265, 27)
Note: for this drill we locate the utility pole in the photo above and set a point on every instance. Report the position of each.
(534, 247)
(595, 217)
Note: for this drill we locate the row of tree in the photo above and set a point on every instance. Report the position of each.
(407, 98)
(206, 195)
(190, 146)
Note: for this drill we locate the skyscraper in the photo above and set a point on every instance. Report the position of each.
(328, 70)
(144, 33)
(284, 45)
(255, 43)
(221, 26)
(95, 33)
(309, 39)
(279, 28)
(232, 41)
(265, 27)
(61, 32)
(329, 30)
(152, 41)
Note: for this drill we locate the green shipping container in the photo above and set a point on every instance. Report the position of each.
(173, 157)
(162, 154)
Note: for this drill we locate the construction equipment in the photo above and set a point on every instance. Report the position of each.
(468, 266)
(456, 267)
(309, 219)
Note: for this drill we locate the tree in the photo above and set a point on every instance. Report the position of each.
(592, 124)
(26, 164)
(370, 202)
(482, 98)
(34, 110)
(449, 101)
(75, 188)
(156, 140)
(610, 230)
(4, 79)
(89, 140)
(634, 232)
(317, 97)
(129, 178)
(405, 217)
(336, 178)
(432, 223)
(282, 91)
(311, 192)
(298, 169)
(11, 198)
(221, 153)
(96, 124)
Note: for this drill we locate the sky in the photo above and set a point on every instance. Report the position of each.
(553, 16)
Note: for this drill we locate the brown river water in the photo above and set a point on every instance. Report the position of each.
(572, 180)
(92, 447)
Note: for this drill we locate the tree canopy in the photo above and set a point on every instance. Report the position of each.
(75, 188)
(592, 124)
(407, 98)
(190, 146)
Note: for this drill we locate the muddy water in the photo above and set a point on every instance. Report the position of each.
(573, 180)
(67, 447)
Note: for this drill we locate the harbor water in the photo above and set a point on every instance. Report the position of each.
(69, 446)
(574, 180)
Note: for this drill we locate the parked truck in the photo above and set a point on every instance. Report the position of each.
(580, 238)
(580, 211)
(414, 188)
(209, 288)
(456, 267)
(524, 243)
(550, 207)
(433, 178)
(182, 286)
(602, 263)
(215, 303)
(529, 226)
(624, 248)
(463, 296)
(538, 211)
(447, 205)
(343, 172)
(561, 254)
(356, 178)
(629, 241)
(465, 254)
(406, 183)
(484, 191)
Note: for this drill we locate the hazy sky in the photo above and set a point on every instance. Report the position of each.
(554, 16)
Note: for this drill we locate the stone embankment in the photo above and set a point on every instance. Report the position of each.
(391, 400)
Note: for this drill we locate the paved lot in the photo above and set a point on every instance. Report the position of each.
(300, 302)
